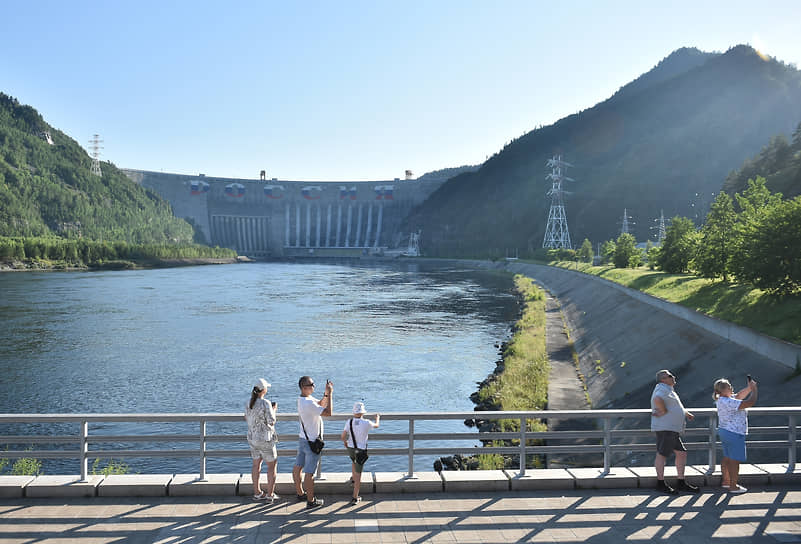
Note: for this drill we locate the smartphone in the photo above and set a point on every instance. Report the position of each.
(749, 378)
(275, 404)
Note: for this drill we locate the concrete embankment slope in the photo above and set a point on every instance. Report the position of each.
(622, 340)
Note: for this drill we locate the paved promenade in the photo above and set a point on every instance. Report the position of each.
(768, 514)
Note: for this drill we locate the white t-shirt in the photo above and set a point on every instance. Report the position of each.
(309, 410)
(730, 417)
(360, 428)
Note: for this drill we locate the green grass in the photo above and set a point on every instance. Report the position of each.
(741, 304)
(523, 384)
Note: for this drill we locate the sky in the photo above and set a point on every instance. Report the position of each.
(345, 91)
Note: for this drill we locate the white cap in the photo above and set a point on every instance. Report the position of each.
(261, 384)
(358, 408)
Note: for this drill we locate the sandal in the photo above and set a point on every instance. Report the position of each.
(261, 496)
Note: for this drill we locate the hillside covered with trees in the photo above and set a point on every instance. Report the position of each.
(779, 162)
(664, 142)
(47, 189)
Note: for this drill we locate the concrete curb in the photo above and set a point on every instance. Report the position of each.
(161, 485)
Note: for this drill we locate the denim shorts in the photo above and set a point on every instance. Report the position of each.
(306, 458)
(733, 445)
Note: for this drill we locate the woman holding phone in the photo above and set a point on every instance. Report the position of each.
(732, 428)
(260, 416)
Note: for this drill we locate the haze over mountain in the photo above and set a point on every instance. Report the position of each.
(665, 141)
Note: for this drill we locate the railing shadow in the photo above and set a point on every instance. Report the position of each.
(566, 516)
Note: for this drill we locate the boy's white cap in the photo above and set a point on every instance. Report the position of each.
(358, 408)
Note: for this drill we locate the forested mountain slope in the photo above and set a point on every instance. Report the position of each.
(47, 189)
(779, 162)
(664, 142)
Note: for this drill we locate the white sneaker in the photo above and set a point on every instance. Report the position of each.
(737, 490)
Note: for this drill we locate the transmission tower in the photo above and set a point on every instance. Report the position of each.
(660, 227)
(556, 234)
(624, 225)
(95, 147)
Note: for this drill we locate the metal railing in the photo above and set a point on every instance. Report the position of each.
(614, 433)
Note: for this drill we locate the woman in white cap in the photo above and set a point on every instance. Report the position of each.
(260, 416)
(354, 436)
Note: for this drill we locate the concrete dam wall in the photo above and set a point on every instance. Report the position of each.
(262, 218)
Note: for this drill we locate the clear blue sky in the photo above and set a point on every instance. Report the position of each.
(356, 90)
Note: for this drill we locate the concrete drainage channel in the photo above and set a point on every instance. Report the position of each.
(189, 485)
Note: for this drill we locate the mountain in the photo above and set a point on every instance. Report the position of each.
(779, 162)
(665, 141)
(47, 189)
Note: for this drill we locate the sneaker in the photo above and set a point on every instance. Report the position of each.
(356, 500)
(737, 490)
(688, 488)
(314, 504)
(665, 488)
(302, 498)
(260, 497)
(274, 497)
(725, 486)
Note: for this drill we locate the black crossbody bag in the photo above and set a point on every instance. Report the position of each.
(361, 454)
(317, 444)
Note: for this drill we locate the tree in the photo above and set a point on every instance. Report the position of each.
(679, 246)
(607, 251)
(652, 254)
(772, 256)
(625, 251)
(717, 239)
(754, 203)
(584, 253)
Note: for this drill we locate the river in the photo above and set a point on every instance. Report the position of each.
(404, 336)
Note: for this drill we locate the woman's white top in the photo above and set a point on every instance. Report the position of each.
(730, 417)
(261, 421)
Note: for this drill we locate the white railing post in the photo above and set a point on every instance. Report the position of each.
(522, 446)
(411, 447)
(202, 449)
(792, 446)
(84, 450)
(713, 444)
(607, 444)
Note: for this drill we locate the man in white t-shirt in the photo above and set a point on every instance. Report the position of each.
(310, 414)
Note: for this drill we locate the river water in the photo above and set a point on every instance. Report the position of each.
(399, 336)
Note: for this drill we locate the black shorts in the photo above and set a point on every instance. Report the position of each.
(667, 442)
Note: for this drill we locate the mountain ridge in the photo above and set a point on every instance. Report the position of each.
(668, 146)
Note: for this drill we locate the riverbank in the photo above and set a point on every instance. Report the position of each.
(518, 382)
(42, 265)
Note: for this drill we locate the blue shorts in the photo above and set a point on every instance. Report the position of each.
(306, 458)
(733, 445)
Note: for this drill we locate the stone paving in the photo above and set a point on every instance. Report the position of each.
(768, 514)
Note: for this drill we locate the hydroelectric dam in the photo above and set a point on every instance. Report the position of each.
(281, 218)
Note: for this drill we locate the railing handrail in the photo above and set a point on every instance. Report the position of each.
(605, 434)
(404, 416)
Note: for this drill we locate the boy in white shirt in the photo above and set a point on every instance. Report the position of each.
(354, 436)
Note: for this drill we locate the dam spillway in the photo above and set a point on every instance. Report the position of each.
(280, 218)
